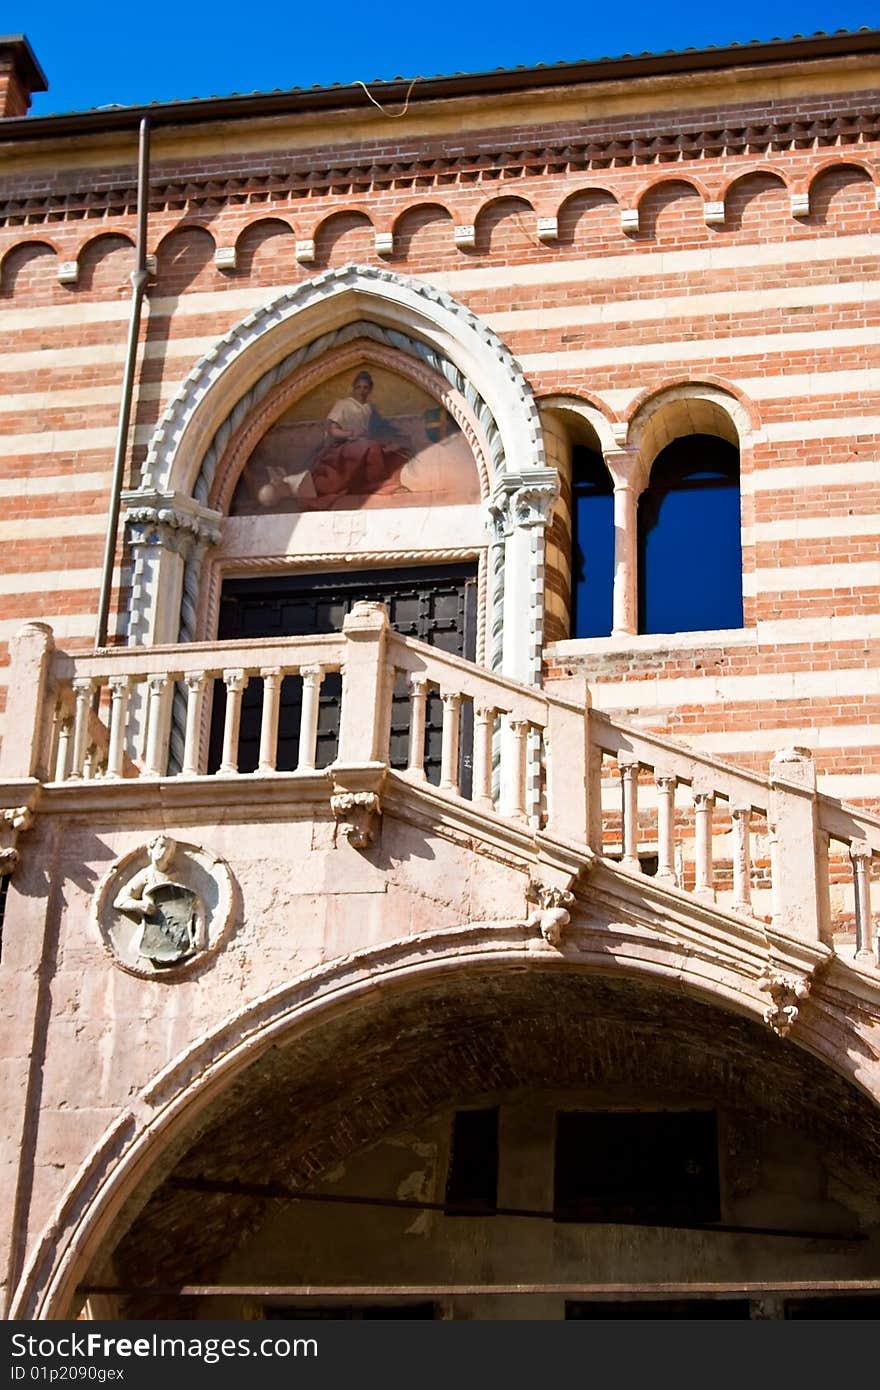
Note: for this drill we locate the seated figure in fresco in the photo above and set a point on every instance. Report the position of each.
(361, 453)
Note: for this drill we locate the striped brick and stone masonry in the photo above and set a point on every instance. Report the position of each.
(719, 234)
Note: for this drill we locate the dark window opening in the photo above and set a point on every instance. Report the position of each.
(592, 544)
(689, 538)
(472, 1185)
(351, 1312)
(637, 1166)
(838, 1306)
(656, 1309)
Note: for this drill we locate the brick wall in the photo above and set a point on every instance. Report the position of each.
(782, 310)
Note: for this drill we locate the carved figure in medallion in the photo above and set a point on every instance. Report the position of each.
(171, 916)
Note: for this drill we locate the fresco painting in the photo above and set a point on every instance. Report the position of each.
(366, 438)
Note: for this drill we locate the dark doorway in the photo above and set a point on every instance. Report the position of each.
(712, 1309)
(437, 606)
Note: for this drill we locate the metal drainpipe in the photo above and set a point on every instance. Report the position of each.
(138, 287)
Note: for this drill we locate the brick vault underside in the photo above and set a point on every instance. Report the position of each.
(302, 1109)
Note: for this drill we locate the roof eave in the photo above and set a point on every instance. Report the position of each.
(503, 81)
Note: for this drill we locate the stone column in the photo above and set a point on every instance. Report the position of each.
(860, 854)
(312, 676)
(168, 535)
(624, 467)
(665, 784)
(740, 818)
(704, 870)
(165, 531)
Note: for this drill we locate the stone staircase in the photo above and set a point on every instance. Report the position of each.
(589, 803)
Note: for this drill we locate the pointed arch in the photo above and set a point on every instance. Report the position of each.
(293, 331)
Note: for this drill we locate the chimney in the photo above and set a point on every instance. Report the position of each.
(20, 75)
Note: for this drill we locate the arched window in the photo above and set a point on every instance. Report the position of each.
(690, 554)
(592, 544)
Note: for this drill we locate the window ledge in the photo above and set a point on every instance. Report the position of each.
(649, 642)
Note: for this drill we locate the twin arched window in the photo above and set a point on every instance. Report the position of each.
(688, 540)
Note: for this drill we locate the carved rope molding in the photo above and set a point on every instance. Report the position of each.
(433, 303)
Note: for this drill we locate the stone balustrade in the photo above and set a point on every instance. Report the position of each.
(759, 847)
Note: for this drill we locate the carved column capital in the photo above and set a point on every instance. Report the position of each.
(235, 680)
(533, 503)
(499, 517)
(171, 521)
(860, 850)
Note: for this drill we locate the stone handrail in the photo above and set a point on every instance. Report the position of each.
(756, 845)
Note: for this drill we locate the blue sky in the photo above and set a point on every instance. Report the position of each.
(163, 50)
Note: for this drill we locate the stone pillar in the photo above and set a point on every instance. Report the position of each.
(798, 890)
(28, 711)
(366, 697)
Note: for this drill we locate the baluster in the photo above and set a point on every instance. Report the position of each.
(740, 817)
(449, 744)
(704, 802)
(120, 690)
(82, 689)
(62, 756)
(484, 727)
(665, 785)
(268, 758)
(196, 684)
(312, 678)
(235, 682)
(157, 749)
(418, 694)
(629, 794)
(515, 782)
(860, 854)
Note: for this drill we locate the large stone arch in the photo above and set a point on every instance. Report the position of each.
(170, 524)
(179, 1106)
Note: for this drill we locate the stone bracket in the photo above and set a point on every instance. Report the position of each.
(13, 821)
(787, 992)
(355, 801)
(551, 890)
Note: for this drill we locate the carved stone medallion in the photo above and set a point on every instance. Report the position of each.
(165, 906)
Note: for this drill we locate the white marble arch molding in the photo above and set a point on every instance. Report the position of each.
(302, 324)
